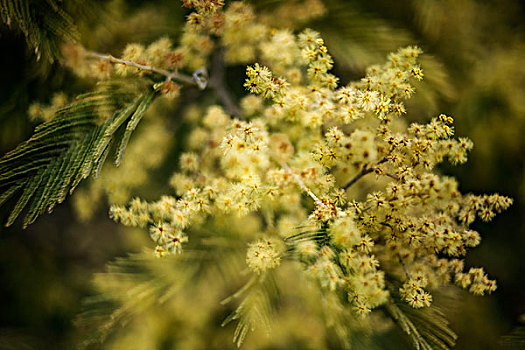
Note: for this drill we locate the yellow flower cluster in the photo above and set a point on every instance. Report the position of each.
(264, 254)
(44, 113)
(207, 16)
(334, 162)
(241, 46)
(293, 13)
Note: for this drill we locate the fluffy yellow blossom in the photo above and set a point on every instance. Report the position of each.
(263, 255)
(341, 182)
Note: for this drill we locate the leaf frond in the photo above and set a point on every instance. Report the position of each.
(516, 338)
(427, 328)
(135, 284)
(255, 309)
(70, 147)
(45, 24)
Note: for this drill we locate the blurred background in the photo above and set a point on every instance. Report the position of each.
(474, 68)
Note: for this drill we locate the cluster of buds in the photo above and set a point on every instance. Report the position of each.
(296, 161)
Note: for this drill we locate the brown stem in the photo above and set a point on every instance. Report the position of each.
(218, 84)
(300, 182)
(393, 176)
(363, 172)
(404, 266)
(168, 74)
(359, 175)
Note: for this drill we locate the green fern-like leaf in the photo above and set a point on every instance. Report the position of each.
(427, 328)
(45, 24)
(131, 286)
(319, 235)
(70, 147)
(255, 308)
(135, 285)
(516, 338)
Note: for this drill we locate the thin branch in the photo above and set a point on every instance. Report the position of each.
(359, 175)
(192, 80)
(393, 176)
(398, 255)
(404, 266)
(300, 182)
(218, 83)
(363, 172)
(241, 291)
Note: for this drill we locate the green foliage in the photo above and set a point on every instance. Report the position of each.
(70, 147)
(45, 23)
(319, 236)
(427, 328)
(255, 309)
(135, 285)
(77, 141)
(516, 338)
